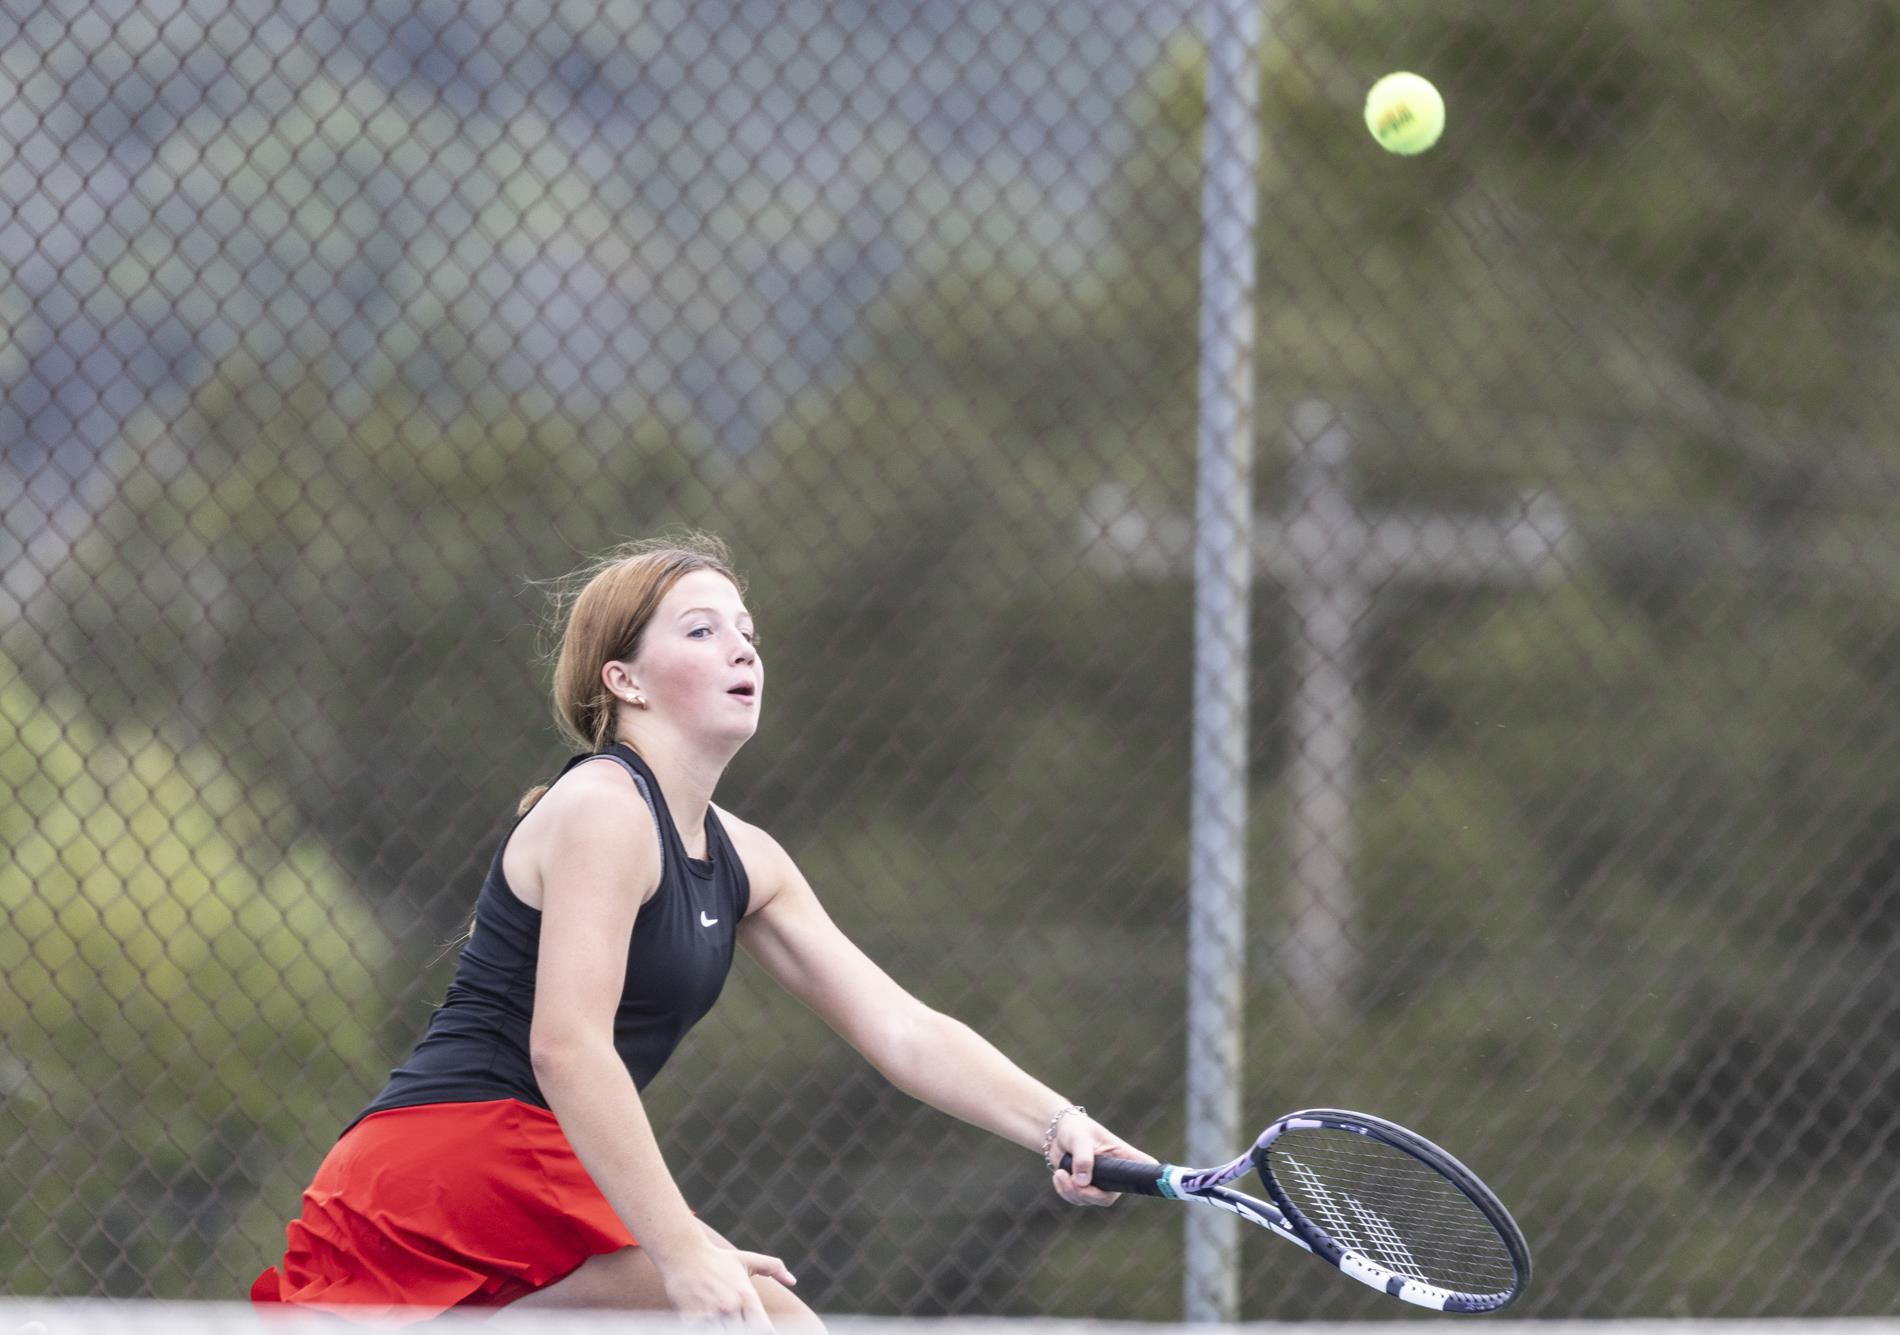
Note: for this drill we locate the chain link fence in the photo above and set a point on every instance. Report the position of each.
(330, 328)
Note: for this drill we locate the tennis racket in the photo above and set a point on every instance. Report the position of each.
(1378, 1202)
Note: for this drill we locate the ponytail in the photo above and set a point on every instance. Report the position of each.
(602, 716)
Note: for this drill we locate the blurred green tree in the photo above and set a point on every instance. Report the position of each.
(336, 593)
(187, 987)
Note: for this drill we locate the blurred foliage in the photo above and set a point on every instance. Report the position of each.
(189, 986)
(363, 573)
(1625, 856)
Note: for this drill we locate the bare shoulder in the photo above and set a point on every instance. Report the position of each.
(768, 867)
(593, 808)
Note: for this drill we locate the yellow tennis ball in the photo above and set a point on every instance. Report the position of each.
(1405, 113)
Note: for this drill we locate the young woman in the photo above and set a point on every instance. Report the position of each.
(509, 1160)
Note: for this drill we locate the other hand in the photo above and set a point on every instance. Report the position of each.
(712, 1283)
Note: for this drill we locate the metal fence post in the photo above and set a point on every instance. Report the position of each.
(1223, 582)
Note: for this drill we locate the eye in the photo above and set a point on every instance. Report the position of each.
(751, 637)
(698, 629)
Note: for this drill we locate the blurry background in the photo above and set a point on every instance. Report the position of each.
(331, 328)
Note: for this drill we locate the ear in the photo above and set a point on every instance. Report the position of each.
(620, 682)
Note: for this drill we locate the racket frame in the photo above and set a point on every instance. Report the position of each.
(1362, 1267)
(1283, 1218)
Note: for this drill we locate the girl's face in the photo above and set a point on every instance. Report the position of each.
(698, 666)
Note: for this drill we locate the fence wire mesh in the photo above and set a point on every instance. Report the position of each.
(330, 327)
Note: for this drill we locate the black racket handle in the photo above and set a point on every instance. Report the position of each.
(1137, 1179)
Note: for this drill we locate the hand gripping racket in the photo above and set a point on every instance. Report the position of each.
(1379, 1202)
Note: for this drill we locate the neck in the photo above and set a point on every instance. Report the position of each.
(687, 776)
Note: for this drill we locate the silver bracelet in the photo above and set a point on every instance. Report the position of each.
(1049, 1136)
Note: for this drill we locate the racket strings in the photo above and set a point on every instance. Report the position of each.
(1393, 1209)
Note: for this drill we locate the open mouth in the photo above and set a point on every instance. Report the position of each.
(745, 690)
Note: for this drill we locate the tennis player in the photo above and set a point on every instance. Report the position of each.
(509, 1160)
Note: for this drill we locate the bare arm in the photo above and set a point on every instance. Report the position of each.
(927, 1054)
(602, 865)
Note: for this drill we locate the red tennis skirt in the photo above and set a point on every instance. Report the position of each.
(416, 1210)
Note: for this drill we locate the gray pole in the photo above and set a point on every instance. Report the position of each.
(1223, 586)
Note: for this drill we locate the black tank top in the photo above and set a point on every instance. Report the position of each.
(476, 1045)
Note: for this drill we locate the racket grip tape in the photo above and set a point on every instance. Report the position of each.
(1125, 1175)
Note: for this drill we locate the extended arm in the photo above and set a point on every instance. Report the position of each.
(925, 1053)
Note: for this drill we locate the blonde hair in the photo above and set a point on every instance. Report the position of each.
(600, 614)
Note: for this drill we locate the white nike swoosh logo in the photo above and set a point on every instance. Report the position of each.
(704, 921)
